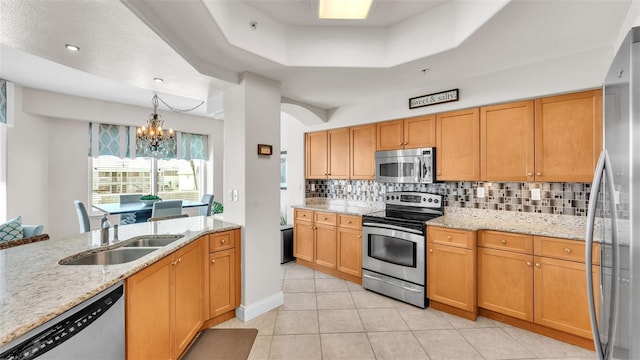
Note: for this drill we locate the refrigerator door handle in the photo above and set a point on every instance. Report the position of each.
(591, 215)
(615, 258)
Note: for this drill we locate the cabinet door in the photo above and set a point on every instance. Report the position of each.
(458, 145)
(316, 157)
(326, 250)
(506, 133)
(568, 136)
(303, 240)
(147, 305)
(350, 251)
(451, 276)
(560, 295)
(187, 284)
(222, 279)
(505, 283)
(363, 152)
(338, 142)
(420, 132)
(390, 135)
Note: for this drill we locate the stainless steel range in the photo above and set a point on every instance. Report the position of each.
(394, 242)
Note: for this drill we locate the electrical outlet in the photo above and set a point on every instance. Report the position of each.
(480, 192)
(535, 194)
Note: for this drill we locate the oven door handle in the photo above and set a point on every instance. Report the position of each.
(392, 227)
(390, 283)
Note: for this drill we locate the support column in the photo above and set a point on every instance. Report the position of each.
(252, 188)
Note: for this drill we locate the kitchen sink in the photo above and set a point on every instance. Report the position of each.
(153, 241)
(110, 257)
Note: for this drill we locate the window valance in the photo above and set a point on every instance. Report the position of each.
(121, 141)
(3, 101)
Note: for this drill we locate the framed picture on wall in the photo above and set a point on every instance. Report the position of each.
(283, 170)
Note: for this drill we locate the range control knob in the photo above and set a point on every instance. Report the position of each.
(387, 197)
(424, 199)
(436, 201)
(430, 200)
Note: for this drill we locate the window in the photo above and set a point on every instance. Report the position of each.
(174, 179)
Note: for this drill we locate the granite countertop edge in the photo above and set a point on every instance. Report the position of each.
(27, 302)
(340, 209)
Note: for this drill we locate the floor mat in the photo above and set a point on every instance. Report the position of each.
(222, 344)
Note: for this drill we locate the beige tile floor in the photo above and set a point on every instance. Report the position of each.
(328, 318)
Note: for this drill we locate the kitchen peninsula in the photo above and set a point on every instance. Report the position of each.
(35, 288)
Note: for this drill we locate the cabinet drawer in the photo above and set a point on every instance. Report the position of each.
(506, 241)
(350, 221)
(221, 241)
(565, 249)
(452, 237)
(325, 218)
(301, 214)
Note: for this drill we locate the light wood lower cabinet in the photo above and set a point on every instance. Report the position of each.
(451, 270)
(164, 305)
(170, 301)
(331, 243)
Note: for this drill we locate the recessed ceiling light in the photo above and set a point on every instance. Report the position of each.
(344, 9)
(158, 80)
(72, 47)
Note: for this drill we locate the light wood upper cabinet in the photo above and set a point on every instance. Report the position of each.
(458, 145)
(416, 132)
(327, 154)
(507, 142)
(568, 136)
(316, 155)
(338, 151)
(363, 150)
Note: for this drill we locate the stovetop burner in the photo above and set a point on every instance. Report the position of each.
(408, 208)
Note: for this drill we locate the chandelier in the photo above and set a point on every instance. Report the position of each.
(153, 138)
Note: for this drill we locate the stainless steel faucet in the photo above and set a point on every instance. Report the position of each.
(104, 230)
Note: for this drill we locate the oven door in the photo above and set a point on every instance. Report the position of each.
(398, 169)
(394, 251)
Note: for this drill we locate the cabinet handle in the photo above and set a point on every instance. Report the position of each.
(529, 174)
(567, 250)
(528, 263)
(537, 265)
(503, 241)
(538, 174)
(213, 261)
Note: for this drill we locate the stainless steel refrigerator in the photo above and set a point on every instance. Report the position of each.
(614, 212)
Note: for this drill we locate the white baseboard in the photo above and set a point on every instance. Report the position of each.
(246, 313)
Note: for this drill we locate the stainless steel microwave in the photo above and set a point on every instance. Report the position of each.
(411, 166)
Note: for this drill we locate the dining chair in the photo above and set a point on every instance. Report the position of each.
(158, 218)
(206, 210)
(83, 216)
(129, 218)
(166, 208)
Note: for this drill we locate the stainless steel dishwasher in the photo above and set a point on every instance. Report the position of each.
(91, 330)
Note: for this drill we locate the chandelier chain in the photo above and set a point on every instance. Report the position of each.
(172, 108)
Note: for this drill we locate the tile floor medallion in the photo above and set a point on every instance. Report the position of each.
(328, 318)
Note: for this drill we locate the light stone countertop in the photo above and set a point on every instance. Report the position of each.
(562, 226)
(347, 207)
(34, 288)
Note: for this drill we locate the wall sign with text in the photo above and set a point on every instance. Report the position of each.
(433, 99)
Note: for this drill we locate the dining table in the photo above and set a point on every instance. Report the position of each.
(142, 211)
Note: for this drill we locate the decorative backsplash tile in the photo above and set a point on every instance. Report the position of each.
(556, 198)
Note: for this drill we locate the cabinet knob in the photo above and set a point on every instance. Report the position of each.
(222, 241)
(328, 174)
(503, 241)
(400, 144)
(359, 236)
(449, 237)
(529, 174)
(537, 265)
(439, 174)
(567, 250)
(213, 261)
(325, 218)
(528, 263)
(349, 222)
(538, 174)
(430, 250)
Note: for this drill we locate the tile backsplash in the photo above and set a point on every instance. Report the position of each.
(556, 198)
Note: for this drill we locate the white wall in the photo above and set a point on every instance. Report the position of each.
(48, 153)
(292, 140)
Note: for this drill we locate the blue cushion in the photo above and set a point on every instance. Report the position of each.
(11, 230)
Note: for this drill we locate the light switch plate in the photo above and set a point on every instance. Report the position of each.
(480, 192)
(535, 194)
